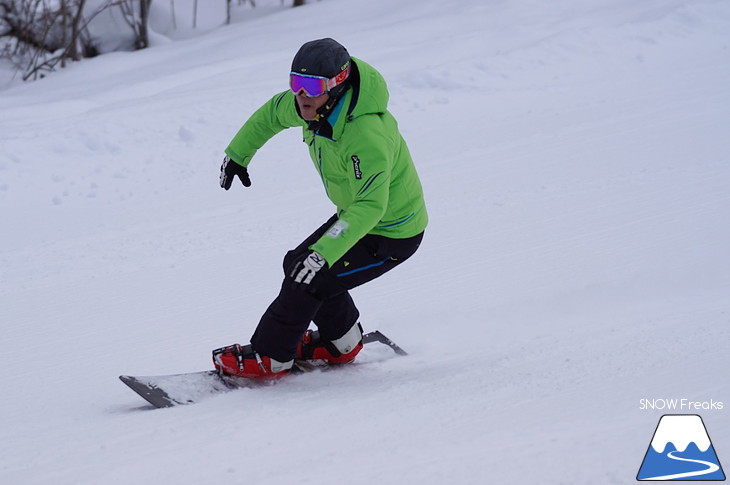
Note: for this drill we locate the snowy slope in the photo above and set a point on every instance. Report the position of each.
(576, 165)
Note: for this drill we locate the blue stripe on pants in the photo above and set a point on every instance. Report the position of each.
(357, 270)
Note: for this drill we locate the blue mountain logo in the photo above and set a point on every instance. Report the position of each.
(681, 450)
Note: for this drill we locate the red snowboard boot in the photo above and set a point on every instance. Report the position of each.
(242, 361)
(340, 351)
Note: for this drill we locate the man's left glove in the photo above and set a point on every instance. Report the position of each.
(306, 268)
(229, 170)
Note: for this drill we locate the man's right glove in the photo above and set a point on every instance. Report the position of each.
(307, 267)
(229, 170)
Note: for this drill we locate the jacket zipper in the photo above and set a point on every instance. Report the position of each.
(318, 150)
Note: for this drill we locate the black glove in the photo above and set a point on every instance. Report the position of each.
(229, 170)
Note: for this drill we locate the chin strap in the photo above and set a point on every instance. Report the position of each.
(320, 124)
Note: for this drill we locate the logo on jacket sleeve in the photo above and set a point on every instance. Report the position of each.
(356, 166)
(338, 228)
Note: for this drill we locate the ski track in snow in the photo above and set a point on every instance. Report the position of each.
(575, 161)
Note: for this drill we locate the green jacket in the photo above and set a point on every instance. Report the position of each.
(366, 168)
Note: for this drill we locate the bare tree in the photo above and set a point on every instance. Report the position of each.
(45, 34)
(41, 35)
(137, 14)
(73, 44)
(240, 2)
(144, 9)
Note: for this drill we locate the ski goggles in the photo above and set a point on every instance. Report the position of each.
(314, 86)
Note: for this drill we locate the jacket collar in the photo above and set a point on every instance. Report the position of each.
(333, 124)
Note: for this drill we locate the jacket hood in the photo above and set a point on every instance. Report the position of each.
(370, 90)
(367, 94)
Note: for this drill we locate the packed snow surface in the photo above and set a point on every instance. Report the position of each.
(576, 162)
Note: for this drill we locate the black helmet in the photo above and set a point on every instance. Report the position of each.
(322, 57)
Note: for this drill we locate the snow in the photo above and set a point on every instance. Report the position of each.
(576, 165)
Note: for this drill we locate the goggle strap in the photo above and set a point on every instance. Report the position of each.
(338, 79)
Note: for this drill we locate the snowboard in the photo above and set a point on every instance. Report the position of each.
(176, 389)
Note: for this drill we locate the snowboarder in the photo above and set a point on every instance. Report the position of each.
(341, 104)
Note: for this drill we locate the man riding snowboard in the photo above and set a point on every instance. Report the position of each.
(341, 104)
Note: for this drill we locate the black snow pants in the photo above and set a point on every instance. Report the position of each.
(326, 300)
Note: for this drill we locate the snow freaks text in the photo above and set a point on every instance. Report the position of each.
(679, 405)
